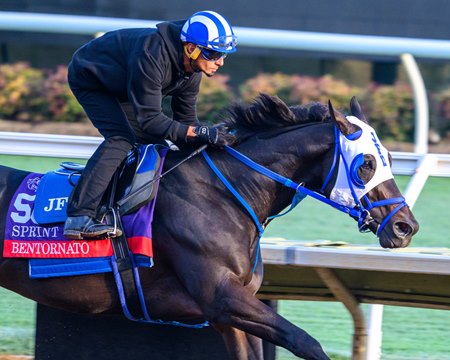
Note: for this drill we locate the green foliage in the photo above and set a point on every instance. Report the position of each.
(390, 109)
(62, 104)
(34, 95)
(21, 95)
(441, 111)
(296, 90)
(308, 89)
(214, 96)
(273, 84)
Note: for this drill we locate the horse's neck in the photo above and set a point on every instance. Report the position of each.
(300, 155)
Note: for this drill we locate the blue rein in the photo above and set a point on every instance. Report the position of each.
(361, 213)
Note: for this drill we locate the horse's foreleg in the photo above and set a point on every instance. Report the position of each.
(240, 345)
(235, 306)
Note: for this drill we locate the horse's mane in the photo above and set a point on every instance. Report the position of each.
(267, 113)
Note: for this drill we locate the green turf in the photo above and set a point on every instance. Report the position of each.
(31, 163)
(17, 323)
(408, 333)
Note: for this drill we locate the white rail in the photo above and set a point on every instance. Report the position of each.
(420, 102)
(82, 147)
(256, 37)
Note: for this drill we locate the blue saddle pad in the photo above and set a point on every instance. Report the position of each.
(52, 195)
(47, 268)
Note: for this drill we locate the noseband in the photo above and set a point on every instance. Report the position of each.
(358, 211)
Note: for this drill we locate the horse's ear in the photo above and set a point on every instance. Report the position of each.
(355, 109)
(345, 127)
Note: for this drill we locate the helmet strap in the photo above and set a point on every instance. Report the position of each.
(194, 54)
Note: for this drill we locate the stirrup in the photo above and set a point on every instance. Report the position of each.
(115, 217)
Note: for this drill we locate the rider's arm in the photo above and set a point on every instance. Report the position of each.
(184, 105)
(145, 93)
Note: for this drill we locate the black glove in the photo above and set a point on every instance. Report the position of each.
(206, 134)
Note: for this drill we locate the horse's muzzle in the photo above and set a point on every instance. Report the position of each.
(400, 234)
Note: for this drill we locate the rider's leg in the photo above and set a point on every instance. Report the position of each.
(107, 115)
(87, 194)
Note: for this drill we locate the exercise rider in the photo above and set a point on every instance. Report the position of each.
(120, 80)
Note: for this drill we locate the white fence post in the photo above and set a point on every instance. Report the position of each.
(420, 104)
(374, 332)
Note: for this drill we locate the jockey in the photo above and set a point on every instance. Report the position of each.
(121, 78)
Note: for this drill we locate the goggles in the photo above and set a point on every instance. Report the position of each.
(211, 55)
(225, 43)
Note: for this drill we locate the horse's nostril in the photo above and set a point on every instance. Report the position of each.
(403, 229)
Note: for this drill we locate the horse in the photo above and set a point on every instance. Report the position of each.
(207, 263)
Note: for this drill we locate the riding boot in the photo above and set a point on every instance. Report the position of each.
(86, 196)
(79, 227)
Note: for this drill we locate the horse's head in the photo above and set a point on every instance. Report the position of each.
(365, 182)
(360, 180)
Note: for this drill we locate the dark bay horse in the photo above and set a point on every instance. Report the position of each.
(205, 242)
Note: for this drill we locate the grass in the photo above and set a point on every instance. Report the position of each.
(408, 333)
(31, 163)
(17, 324)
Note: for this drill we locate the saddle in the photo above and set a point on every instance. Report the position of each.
(131, 188)
(34, 225)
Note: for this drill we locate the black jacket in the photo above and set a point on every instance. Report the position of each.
(141, 66)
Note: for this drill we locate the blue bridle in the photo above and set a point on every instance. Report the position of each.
(359, 211)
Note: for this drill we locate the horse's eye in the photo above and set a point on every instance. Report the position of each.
(367, 169)
(368, 165)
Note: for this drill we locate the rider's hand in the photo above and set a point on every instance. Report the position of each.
(218, 135)
(206, 134)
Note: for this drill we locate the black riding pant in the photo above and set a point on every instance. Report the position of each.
(109, 117)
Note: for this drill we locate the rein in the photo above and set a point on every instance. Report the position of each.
(360, 212)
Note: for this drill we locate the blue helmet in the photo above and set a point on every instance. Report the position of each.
(210, 30)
